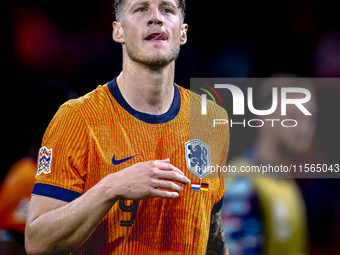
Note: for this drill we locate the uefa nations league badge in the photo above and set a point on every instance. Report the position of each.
(197, 155)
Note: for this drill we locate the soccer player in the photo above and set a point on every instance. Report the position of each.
(115, 166)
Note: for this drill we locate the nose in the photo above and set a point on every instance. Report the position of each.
(155, 18)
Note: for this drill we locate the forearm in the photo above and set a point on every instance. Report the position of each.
(62, 230)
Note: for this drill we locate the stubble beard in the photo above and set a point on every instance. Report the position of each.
(153, 61)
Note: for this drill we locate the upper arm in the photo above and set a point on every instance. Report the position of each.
(63, 157)
(40, 205)
(38, 215)
(62, 163)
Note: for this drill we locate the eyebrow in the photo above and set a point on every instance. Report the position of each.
(167, 3)
(171, 5)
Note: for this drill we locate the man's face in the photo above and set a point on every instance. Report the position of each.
(152, 31)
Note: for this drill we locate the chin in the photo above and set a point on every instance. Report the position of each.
(159, 59)
(157, 62)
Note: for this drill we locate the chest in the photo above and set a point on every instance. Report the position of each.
(123, 143)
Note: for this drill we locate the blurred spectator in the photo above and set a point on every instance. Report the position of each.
(266, 215)
(15, 194)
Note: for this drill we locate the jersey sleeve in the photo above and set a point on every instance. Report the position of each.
(63, 157)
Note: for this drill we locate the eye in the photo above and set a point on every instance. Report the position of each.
(141, 9)
(167, 10)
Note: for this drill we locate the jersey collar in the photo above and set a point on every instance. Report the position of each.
(149, 118)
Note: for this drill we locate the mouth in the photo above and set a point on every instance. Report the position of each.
(157, 37)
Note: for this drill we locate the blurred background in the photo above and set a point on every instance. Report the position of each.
(55, 51)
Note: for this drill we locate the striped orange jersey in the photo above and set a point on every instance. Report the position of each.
(100, 133)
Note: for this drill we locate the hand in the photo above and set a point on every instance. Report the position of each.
(141, 180)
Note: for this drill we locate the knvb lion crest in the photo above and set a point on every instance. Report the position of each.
(197, 155)
(44, 161)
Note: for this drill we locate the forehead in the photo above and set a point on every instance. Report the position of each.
(150, 2)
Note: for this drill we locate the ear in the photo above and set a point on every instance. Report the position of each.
(117, 33)
(184, 30)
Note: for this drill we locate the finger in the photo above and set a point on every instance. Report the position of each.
(169, 185)
(169, 167)
(167, 160)
(164, 194)
(173, 176)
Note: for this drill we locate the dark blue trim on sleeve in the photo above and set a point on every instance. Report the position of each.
(217, 206)
(148, 118)
(55, 192)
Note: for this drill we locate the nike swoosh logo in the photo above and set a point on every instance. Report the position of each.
(117, 162)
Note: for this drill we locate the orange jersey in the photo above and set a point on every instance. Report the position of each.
(15, 194)
(100, 133)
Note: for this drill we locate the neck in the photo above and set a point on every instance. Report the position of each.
(145, 89)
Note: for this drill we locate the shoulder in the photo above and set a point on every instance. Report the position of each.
(81, 112)
(93, 99)
(87, 108)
